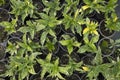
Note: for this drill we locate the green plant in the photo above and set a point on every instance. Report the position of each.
(52, 68)
(49, 24)
(112, 23)
(39, 39)
(9, 26)
(91, 36)
(74, 66)
(21, 66)
(22, 8)
(69, 42)
(93, 5)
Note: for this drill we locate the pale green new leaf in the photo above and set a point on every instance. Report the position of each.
(48, 58)
(70, 49)
(31, 70)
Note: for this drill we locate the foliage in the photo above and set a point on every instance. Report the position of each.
(52, 68)
(21, 66)
(2, 2)
(79, 33)
(22, 8)
(70, 43)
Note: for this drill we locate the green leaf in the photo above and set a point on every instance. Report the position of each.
(31, 70)
(94, 39)
(34, 54)
(48, 58)
(64, 70)
(76, 43)
(32, 33)
(79, 29)
(44, 70)
(44, 16)
(26, 46)
(24, 29)
(51, 32)
(24, 38)
(65, 42)
(98, 58)
(43, 37)
(40, 27)
(59, 76)
(11, 48)
(2, 2)
(40, 61)
(83, 49)
(56, 62)
(70, 49)
(23, 73)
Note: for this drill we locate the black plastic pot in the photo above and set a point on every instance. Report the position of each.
(116, 35)
(75, 57)
(2, 67)
(73, 77)
(2, 51)
(117, 9)
(106, 46)
(17, 34)
(58, 30)
(64, 59)
(105, 32)
(3, 35)
(4, 15)
(87, 59)
(14, 39)
(36, 76)
(6, 5)
(50, 78)
(66, 30)
(100, 16)
(39, 5)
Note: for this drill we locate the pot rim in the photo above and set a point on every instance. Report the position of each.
(99, 29)
(113, 48)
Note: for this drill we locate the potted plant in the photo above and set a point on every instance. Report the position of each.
(59, 39)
